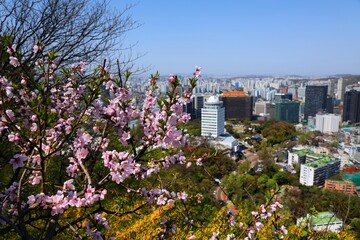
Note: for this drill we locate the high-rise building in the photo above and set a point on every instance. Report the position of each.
(327, 123)
(330, 104)
(262, 107)
(212, 117)
(286, 110)
(198, 104)
(315, 100)
(351, 110)
(340, 89)
(238, 105)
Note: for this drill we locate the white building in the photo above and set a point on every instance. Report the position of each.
(298, 155)
(212, 117)
(327, 123)
(340, 89)
(321, 168)
(323, 221)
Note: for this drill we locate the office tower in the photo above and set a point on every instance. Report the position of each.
(238, 105)
(315, 100)
(212, 117)
(351, 111)
(286, 110)
(330, 102)
(281, 96)
(301, 92)
(340, 89)
(327, 123)
(198, 104)
(262, 107)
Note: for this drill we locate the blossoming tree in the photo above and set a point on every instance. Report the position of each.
(57, 125)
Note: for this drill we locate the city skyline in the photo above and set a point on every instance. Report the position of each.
(247, 37)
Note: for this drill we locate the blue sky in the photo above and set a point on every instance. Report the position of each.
(235, 37)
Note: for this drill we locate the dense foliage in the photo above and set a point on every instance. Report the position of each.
(278, 132)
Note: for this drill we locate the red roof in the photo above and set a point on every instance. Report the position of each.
(234, 94)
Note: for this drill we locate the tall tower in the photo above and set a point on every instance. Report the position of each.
(315, 100)
(212, 117)
(286, 110)
(340, 89)
(351, 111)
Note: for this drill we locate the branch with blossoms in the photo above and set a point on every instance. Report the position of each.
(60, 163)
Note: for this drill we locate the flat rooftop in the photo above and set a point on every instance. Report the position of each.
(234, 94)
(302, 152)
(324, 160)
(324, 218)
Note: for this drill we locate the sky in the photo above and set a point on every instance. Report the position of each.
(238, 37)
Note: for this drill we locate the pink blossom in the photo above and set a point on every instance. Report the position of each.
(11, 50)
(259, 225)
(31, 200)
(199, 197)
(172, 78)
(215, 236)
(81, 153)
(33, 127)
(15, 138)
(197, 72)
(68, 185)
(89, 191)
(161, 200)
(283, 230)
(10, 114)
(171, 203)
(35, 179)
(96, 128)
(82, 66)
(17, 161)
(182, 195)
(14, 61)
(278, 205)
(35, 48)
(192, 237)
(102, 194)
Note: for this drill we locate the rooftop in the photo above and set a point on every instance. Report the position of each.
(319, 159)
(234, 94)
(324, 218)
(302, 152)
(354, 177)
(213, 99)
(324, 160)
(346, 181)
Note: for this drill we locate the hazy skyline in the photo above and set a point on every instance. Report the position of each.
(248, 37)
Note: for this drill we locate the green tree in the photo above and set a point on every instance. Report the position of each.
(281, 178)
